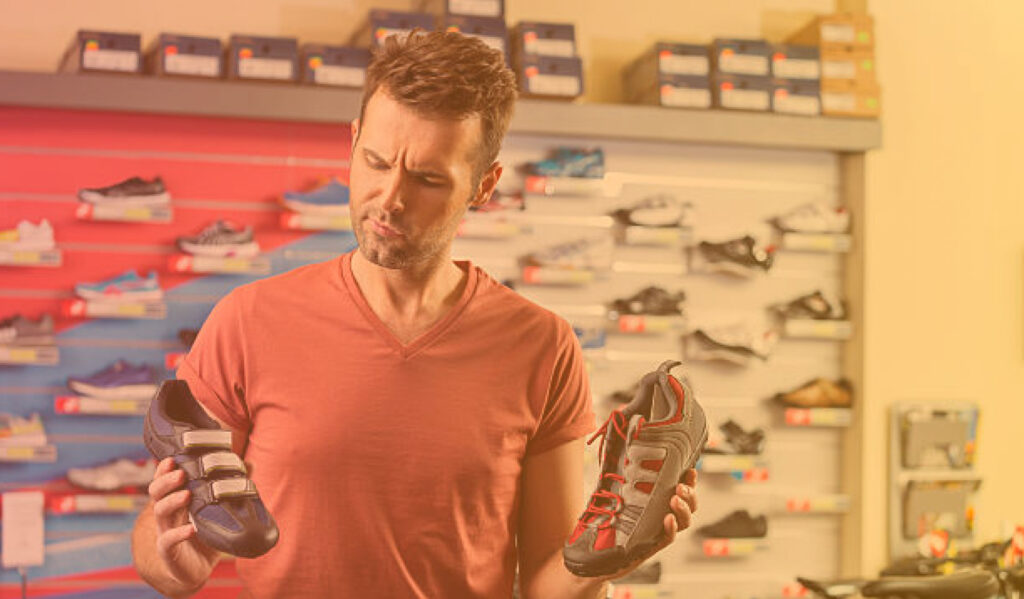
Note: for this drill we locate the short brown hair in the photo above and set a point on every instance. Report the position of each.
(450, 75)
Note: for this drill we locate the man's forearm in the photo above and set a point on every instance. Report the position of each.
(149, 565)
(553, 580)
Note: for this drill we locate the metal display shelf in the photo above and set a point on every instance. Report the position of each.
(282, 101)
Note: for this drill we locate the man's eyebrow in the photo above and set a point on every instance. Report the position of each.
(375, 155)
(419, 172)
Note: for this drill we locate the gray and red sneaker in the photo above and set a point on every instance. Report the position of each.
(646, 448)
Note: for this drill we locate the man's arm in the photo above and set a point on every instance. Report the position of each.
(165, 550)
(551, 502)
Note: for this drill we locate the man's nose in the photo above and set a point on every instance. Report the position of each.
(392, 196)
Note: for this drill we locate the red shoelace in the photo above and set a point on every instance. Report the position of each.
(619, 424)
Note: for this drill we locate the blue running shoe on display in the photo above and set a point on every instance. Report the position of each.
(121, 380)
(571, 162)
(123, 288)
(590, 337)
(329, 198)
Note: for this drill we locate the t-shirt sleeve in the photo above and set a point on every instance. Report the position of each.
(568, 413)
(215, 367)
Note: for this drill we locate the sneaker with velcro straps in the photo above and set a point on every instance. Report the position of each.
(225, 508)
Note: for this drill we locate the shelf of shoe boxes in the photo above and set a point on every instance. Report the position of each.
(733, 192)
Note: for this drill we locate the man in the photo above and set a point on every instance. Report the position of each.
(413, 426)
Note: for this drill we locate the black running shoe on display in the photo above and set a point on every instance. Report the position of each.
(660, 210)
(737, 525)
(814, 306)
(650, 300)
(741, 256)
(742, 441)
(133, 191)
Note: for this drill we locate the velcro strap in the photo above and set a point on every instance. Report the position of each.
(206, 439)
(226, 488)
(221, 461)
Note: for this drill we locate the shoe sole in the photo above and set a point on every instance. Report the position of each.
(123, 392)
(98, 199)
(245, 250)
(131, 296)
(640, 551)
(325, 210)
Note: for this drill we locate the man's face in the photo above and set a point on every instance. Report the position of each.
(411, 181)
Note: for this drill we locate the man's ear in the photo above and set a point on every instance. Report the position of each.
(355, 131)
(487, 185)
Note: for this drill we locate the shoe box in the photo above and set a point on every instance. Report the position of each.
(185, 55)
(738, 92)
(102, 52)
(341, 66)
(796, 96)
(853, 67)
(741, 57)
(839, 99)
(670, 74)
(383, 23)
(490, 30)
(263, 58)
(841, 31)
(545, 62)
(494, 9)
(796, 62)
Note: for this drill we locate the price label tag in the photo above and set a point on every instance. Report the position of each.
(264, 68)
(743, 64)
(131, 309)
(111, 60)
(123, 406)
(536, 275)
(676, 64)
(22, 355)
(26, 257)
(22, 532)
(554, 85)
(340, 76)
(631, 323)
(547, 47)
(18, 453)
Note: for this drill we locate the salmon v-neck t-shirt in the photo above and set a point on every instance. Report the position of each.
(392, 469)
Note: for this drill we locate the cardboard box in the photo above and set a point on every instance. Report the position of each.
(737, 92)
(491, 31)
(185, 56)
(840, 31)
(494, 9)
(741, 57)
(675, 91)
(664, 60)
(381, 24)
(794, 96)
(796, 62)
(263, 58)
(842, 100)
(552, 77)
(341, 66)
(854, 68)
(544, 39)
(102, 52)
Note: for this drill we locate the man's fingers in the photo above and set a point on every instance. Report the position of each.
(164, 466)
(170, 511)
(690, 478)
(172, 537)
(683, 517)
(165, 483)
(689, 495)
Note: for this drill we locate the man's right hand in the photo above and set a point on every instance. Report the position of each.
(185, 557)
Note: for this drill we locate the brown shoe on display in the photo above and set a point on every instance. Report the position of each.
(819, 393)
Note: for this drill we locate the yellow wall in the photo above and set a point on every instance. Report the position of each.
(944, 225)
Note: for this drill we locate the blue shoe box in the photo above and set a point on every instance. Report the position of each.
(675, 91)
(491, 31)
(550, 77)
(494, 9)
(341, 66)
(263, 58)
(741, 57)
(185, 55)
(793, 96)
(544, 39)
(666, 73)
(735, 92)
(796, 62)
(102, 52)
(383, 23)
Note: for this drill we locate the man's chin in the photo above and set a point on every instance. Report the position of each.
(383, 258)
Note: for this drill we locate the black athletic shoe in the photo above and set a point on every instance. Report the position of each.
(737, 525)
(651, 300)
(661, 211)
(739, 256)
(134, 191)
(814, 306)
(744, 442)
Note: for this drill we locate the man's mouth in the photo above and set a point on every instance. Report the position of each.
(384, 230)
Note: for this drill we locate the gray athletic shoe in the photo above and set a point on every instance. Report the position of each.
(134, 191)
(18, 330)
(221, 238)
(647, 446)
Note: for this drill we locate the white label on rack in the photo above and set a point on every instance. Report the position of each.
(22, 532)
(542, 47)
(265, 68)
(683, 97)
(554, 85)
(335, 75)
(192, 64)
(477, 8)
(838, 102)
(796, 68)
(838, 32)
(744, 64)
(494, 43)
(111, 60)
(683, 65)
(747, 99)
(839, 69)
(794, 104)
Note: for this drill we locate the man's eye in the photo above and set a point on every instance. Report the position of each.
(429, 182)
(378, 166)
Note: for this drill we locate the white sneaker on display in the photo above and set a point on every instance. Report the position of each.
(815, 217)
(116, 474)
(28, 237)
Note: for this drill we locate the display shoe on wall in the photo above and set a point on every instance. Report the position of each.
(113, 475)
(819, 393)
(571, 162)
(814, 217)
(741, 257)
(125, 287)
(134, 191)
(815, 306)
(28, 237)
(650, 300)
(221, 238)
(331, 198)
(735, 344)
(737, 525)
(662, 210)
(18, 330)
(120, 380)
(646, 448)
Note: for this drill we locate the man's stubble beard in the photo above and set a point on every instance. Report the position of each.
(427, 250)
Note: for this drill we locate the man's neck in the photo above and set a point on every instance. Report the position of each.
(409, 301)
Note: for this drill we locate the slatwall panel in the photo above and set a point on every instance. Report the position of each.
(213, 168)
